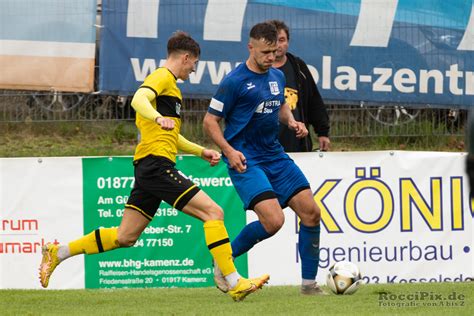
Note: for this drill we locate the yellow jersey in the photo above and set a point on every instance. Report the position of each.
(155, 140)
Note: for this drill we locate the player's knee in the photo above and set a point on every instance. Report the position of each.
(217, 215)
(215, 212)
(274, 224)
(314, 217)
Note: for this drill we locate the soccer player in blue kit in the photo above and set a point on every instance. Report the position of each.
(251, 101)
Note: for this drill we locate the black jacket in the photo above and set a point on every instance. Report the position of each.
(313, 109)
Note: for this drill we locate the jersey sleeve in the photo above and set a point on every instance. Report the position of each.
(225, 97)
(156, 81)
(141, 104)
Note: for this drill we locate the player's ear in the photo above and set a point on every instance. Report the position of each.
(185, 57)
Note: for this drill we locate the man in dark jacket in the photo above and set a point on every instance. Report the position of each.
(302, 96)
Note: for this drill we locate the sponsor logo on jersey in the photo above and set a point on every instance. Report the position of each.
(274, 87)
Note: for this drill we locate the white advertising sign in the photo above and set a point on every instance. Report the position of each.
(40, 202)
(400, 216)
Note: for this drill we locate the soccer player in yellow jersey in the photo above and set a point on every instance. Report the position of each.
(158, 104)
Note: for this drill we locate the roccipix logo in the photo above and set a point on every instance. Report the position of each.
(421, 298)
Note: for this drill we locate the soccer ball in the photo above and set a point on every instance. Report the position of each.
(344, 278)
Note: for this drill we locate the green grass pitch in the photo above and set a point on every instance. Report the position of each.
(389, 299)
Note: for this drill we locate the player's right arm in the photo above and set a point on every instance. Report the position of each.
(287, 118)
(192, 148)
(220, 105)
(141, 102)
(212, 128)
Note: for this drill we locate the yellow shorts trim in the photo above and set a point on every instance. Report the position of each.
(139, 210)
(183, 194)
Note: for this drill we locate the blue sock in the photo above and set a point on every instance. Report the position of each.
(308, 246)
(252, 234)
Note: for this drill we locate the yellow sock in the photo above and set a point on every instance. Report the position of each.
(100, 240)
(217, 241)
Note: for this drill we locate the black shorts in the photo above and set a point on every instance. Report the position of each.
(156, 180)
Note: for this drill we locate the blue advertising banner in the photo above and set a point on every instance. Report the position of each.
(382, 51)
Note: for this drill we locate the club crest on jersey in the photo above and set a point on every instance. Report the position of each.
(274, 87)
(178, 108)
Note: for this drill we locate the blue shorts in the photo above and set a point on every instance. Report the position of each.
(281, 179)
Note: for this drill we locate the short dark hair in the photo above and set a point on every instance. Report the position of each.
(264, 30)
(182, 41)
(280, 25)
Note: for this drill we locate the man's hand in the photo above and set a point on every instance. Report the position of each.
(324, 143)
(299, 128)
(237, 161)
(212, 156)
(166, 123)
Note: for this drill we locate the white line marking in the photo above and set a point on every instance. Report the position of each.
(47, 49)
(375, 22)
(142, 18)
(223, 20)
(467, 42)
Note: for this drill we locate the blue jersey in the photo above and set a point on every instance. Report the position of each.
(250, 102)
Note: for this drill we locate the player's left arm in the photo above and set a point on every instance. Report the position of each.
(192, 148)
(287, 118)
